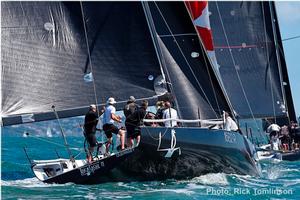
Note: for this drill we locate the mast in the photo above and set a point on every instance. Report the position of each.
(285, 84)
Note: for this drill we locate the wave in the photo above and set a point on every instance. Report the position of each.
(212, 179)
(29, 183)
(127, 186)
(248, 181)
(209, 179)
(177, 191)
(290, 170)
(273, 172)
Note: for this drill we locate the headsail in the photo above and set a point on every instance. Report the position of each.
(200, 15)
(245, 48)
(185, 62)
(45, 57)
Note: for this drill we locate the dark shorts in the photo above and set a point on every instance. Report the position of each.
(133, 131)
(91, 139)
(109, 129)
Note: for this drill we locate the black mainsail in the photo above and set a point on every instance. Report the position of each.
(247, 42)
(48, 49)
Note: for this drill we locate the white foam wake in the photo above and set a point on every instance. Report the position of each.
(211, 179)
(29, 183)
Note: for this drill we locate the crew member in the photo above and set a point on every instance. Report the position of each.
(135, 120)
(160, 107)
(130, 107)
(170, 113)
(128, 110)
(230, 124)
(90, 124)
(109, 128)
(274, 129)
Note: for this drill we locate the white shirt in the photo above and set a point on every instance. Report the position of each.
(275, 143)
(273, 127)
(230, 124)
(107, 114)
(166, 115)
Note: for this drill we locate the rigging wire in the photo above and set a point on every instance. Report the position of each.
(234, 63)
(187, 62)
(89, 55)
(80, 150)
(57, 144)
(291, 38)
(268, 62)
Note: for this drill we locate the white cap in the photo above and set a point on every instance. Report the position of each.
(111, 101)
(131, 98)
(93, 106)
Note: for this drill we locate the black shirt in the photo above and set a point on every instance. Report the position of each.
(159, 113)
(129, 109)
(90, 122)
(136, 118)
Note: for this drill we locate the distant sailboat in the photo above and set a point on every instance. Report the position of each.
(251, 62)
(252, 65)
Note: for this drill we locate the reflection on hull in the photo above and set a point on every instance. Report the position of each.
(198, 151)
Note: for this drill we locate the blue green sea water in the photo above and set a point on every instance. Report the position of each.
(279, 181)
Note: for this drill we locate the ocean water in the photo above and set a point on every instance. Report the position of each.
(279, 181)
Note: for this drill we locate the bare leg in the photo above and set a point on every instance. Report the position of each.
(90, 153)
(122, 138)
(131, 142)
(138, 139)
(108, 143)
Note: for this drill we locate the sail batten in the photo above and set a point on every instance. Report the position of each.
(178, 34)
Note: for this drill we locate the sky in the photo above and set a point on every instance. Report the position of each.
(289, 22)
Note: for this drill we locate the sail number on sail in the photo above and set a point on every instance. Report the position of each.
(229, 137)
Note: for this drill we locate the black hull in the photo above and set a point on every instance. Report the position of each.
(94, 173)
(291, 156)
(202, 151)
